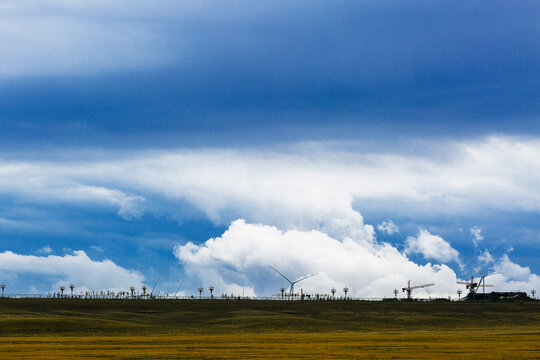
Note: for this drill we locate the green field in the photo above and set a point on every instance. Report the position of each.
(229, 329)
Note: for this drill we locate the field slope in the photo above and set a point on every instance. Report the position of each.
(229, 329)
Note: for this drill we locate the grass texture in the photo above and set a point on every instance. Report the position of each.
(226, 329)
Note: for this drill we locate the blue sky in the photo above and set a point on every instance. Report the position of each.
(131, 134)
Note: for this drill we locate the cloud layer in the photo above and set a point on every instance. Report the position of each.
(307, 196)
(310, 186)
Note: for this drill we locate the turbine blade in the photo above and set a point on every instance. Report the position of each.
(478, 269)
(176, 292)
(151, 292)
(304, 278)
(273, 268)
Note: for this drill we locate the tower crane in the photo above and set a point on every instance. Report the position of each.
(410, 288)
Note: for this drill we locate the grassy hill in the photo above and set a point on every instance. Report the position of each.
(75, 316)
(232, 329)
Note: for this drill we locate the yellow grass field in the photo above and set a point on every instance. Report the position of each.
(77, 329)
(477, 344)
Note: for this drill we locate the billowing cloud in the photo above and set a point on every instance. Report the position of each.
(431, 247)
(244, 252)
(511, 270)
(76, 268)
(513, 277)
(239, 260)
(388, 227)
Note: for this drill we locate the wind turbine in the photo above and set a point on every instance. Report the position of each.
(410, 288)
(482, 281)
(291, 289)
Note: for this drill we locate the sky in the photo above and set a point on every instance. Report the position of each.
(197, 143)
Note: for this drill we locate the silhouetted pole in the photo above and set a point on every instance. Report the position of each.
(132, 289)
(144, 290)
(396, 291)
(200, 292)
(532, 292)
(345, 290)
(62, 288)
(211, 288)
(71, 286)
(3, 286)
(459, 294)
(333, 291)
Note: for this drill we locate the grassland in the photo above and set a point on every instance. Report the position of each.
(216, 329)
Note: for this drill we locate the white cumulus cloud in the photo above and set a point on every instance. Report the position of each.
(431, 247)
(388, 227)
(510, 276)
(76, 268)
(244, 252)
